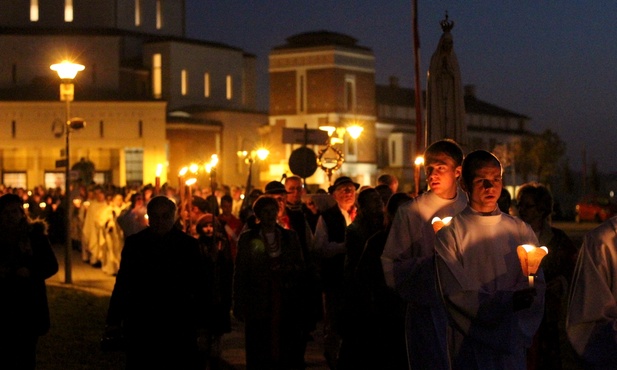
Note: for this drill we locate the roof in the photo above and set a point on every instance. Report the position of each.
(320, 38)
(402, 96)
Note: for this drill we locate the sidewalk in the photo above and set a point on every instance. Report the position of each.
(93, 280)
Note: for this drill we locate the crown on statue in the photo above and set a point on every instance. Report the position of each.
(446, 25)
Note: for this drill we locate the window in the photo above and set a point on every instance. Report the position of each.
(184, 82)
(68, 10)
(301, 93)
(137, 13)
(54, 180)
(134, 165)
(159, 14)
(382, 152)
(34, 10)
(157, 78)
(393, 152)
(229, 87)
(350, 93)
(15, 179)
(207, 85)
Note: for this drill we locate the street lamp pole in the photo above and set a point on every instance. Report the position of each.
(67, 72)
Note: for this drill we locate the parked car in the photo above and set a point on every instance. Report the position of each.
(594, 208)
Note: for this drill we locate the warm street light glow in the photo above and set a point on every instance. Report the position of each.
(355, 131)
(193, 167)
(329, 129)
(262, 153)
(67, 70)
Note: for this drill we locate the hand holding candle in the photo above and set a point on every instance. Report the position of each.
(530, 257)
(438, 223)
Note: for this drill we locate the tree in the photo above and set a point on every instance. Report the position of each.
(548, 149)
(539, 155)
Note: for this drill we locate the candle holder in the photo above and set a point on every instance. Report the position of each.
(439, 223)
(530, 257)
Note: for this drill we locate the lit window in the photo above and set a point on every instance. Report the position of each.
(207, 85)
(68, 10)
(34, 10)
(350, 93)
(229, 88)
(184, 82)
(137, 13)
(15, 179)
(157, 77)
(159, 14)
(134, 164)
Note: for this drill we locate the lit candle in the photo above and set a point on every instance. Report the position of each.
(157, 180)
(439, 223)
(530, 258)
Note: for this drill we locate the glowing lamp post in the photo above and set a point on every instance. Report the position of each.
(530, 257)
(67, 72)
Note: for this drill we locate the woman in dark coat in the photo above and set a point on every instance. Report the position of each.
(270, 290)
(26, 260)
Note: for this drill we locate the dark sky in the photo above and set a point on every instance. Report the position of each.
(553, 61)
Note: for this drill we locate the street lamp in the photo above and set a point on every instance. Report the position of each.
(67, 72)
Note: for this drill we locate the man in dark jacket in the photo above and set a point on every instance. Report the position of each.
(330, 247)
(160, 298)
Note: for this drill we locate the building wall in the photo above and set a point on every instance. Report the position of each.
(28, 57)
(112, 14)
(28, 144)
(198, 59)
(324, 71)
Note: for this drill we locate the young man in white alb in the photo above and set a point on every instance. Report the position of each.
(408, 257)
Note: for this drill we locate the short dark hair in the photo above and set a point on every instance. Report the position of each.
(227, 198)
(162, 200)
(386, 179)
(448, 147)
(474, 161)
(262, 202)
(540, 195)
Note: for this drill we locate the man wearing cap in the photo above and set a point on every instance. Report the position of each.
(330, 246)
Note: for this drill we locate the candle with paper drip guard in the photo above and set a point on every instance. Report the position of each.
(530, 257)
(438, 223)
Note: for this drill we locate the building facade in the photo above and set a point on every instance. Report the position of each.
(324, 79)
(146, 94)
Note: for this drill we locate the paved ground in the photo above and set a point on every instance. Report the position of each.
(93, 280)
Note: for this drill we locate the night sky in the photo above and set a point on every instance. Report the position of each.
(553, 61)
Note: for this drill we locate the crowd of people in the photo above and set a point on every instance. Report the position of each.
(398, 281)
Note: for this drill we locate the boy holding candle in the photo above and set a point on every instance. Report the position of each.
(493, 313)
(408, 256)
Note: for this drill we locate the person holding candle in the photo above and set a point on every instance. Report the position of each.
(407, 259)
(535, 206)
(493, 313)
